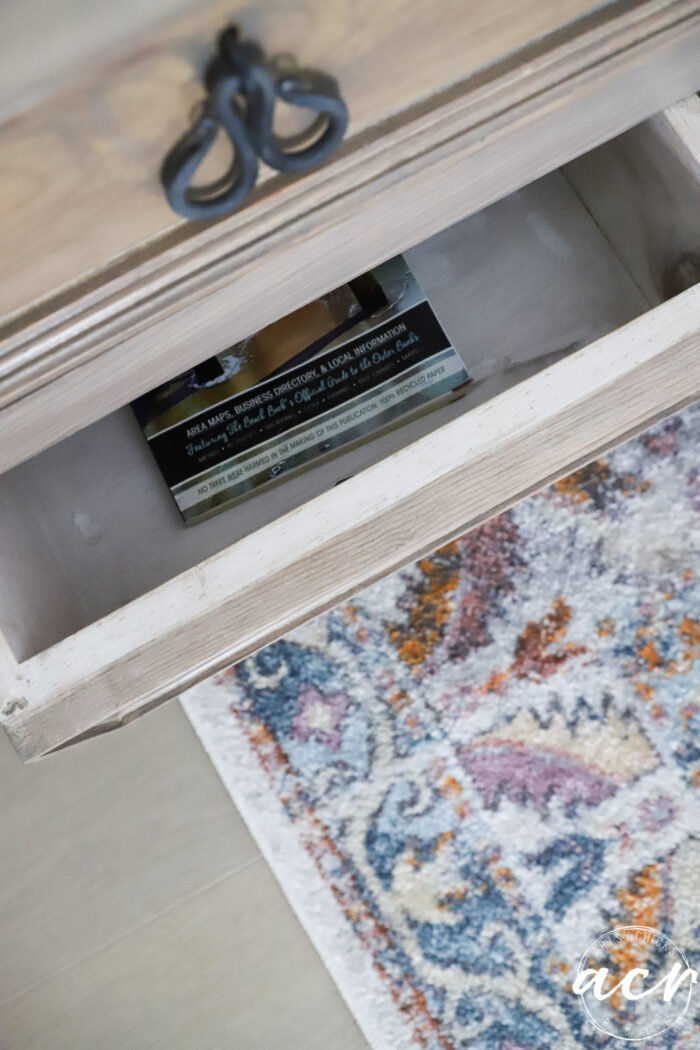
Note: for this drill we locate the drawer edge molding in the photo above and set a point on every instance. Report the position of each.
(307, 561)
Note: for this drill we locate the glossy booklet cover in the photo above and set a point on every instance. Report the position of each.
(364, 357)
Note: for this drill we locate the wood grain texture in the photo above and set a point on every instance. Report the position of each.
(102, 141)
(440, 152)
(409, 503)
(43, 44)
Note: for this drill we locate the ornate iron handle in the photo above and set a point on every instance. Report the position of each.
(243, 88)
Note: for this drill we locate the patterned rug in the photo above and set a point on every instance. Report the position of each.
(467, 774)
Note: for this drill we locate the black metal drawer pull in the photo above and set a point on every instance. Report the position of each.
(243, 88)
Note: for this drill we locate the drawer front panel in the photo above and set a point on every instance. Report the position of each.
(108, 293)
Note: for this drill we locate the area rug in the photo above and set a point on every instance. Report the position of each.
(471, 771)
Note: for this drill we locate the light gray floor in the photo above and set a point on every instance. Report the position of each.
(136, 911)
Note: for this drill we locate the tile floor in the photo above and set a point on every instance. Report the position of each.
(136, 911)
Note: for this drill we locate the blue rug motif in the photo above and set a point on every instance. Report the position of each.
(469, 772)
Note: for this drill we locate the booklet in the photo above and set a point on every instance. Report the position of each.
(367, 356)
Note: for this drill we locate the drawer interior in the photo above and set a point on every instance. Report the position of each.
(89, 525)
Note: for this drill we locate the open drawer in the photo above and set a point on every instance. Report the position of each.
(575, 305)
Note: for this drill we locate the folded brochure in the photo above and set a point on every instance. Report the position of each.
(365, 357)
